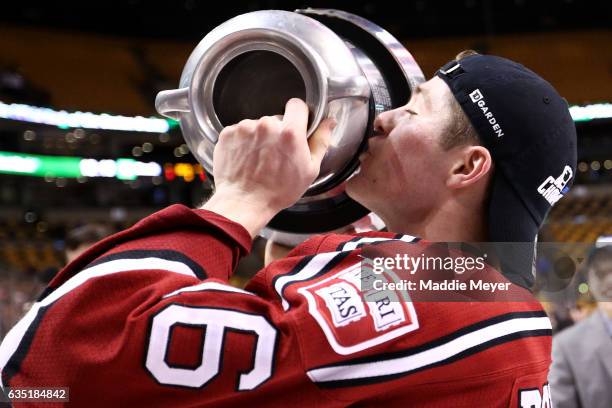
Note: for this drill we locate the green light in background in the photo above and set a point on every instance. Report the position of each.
(42, 166)
(74, 167)
(124, 169)
(59, 166)
(172, 123)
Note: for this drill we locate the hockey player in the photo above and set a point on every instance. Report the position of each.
(147, 318)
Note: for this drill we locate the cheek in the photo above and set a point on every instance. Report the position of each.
(417, 158)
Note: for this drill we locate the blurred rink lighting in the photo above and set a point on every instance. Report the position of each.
(608, 164)
(595, 165)
(42, 226)
(89, 120)
(128, 169)
(590, 112)
(106, 168)
(582, 166)
(185, 170)
(29, 135)
(14, 163)
(30, 217)
(51, 167)
(583, 288)
(147, 147)
(136, 151)
(184, 149)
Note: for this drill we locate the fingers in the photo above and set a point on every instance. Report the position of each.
(296, 116)
(320, 139)
(268, 125)
(244, 127)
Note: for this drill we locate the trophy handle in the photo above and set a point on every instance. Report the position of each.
(173, 102)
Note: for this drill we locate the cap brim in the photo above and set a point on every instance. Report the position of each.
(513, 230)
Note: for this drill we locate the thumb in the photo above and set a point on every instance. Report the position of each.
(320, 139)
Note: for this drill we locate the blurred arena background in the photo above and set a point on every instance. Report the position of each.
(83, 153)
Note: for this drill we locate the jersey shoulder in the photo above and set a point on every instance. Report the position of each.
(352, 333)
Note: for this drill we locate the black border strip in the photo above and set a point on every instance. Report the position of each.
(364, 244)
(439, 341)
(333, 262)
(298, 267)
(167, 254)
(14, 363)
(466, 353)
(343, 243)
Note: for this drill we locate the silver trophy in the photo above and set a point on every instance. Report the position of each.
(342, 65)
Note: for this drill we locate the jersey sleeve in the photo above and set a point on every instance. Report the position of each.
(146, 318)
(205, 243)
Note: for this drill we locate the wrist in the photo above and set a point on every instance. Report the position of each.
(243, 208)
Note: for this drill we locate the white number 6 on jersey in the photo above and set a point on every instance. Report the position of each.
(216, 322)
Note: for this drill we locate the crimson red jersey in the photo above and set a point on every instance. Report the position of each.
(147, 318)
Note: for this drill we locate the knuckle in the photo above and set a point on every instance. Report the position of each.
(289, 133)
(226, 131)
(245, 124)
(264, 125)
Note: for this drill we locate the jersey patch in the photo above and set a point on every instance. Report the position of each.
(353, 319)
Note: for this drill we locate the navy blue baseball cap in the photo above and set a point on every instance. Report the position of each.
(526, 125)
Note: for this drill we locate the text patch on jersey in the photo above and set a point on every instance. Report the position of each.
(353, 319)
(344, 303)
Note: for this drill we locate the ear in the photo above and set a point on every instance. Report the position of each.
(470, 165)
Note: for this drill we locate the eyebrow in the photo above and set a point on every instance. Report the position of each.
(425, 94)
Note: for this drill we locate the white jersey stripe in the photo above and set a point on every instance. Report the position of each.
(430, 356)
(320, 261)
(349, 246)
(316, 264)
(15, 335)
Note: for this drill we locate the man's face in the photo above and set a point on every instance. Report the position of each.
(600, 281)
(405, 167)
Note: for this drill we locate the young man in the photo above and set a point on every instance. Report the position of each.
(146, 317)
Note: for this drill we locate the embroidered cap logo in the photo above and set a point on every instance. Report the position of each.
(477, 98)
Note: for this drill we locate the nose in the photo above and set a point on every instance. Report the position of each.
(385, 122)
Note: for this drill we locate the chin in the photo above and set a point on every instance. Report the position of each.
(357, 189)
